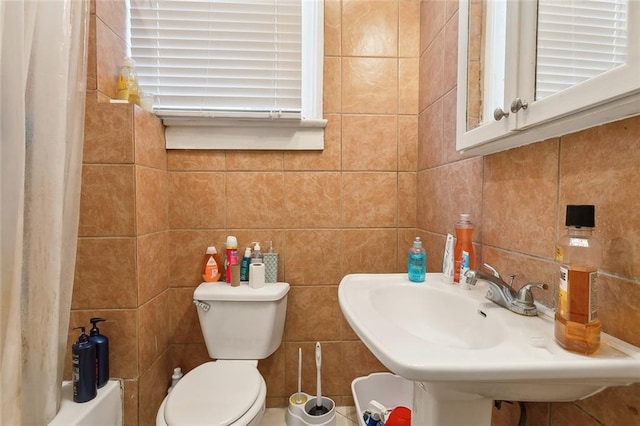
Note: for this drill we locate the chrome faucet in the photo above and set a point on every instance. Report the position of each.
(520, 301)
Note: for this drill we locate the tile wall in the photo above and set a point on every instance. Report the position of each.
(518, 199)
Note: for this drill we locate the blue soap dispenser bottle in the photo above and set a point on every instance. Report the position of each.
(83, 368)
(101, 343)
(417, 262)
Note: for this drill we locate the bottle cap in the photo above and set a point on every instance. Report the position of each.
(247, 252)
(83, 337)
(256, 247)
(581, 215)
(211, 250)
(232, 242)
(128, 62)
(94, 330)
(417, 243)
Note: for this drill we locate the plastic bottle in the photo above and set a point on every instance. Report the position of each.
(212, 265)
(244, 266)
(578, 254)
(232, 256)
(128, 82)
(102, 352)
(256, 255)
(464, 242)
(83, 368)
(417, 262)
(175, 378)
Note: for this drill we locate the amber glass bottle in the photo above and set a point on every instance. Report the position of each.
(578, 254)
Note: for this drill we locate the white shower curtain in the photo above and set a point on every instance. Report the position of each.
(42, 94)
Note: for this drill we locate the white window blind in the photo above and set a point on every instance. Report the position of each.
(577, 40)
(219, 58)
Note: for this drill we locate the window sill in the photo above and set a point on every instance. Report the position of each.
(239, 134)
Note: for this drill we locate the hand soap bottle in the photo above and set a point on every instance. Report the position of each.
(578, 255)
(417, 262)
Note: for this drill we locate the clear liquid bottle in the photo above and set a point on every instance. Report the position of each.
(464, 243)
(417, 262)
(578, 254)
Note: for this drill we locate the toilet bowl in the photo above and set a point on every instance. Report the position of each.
(240, 325)
(217, 393)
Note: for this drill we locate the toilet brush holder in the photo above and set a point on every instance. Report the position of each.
(300, 405)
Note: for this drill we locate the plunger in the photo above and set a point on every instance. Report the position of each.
(319, 409)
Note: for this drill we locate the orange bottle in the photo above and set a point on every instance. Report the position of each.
(464, 243)
(212, 266)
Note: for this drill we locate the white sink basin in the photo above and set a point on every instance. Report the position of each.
(462, 347)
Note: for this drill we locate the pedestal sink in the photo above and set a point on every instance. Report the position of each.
(462, 351)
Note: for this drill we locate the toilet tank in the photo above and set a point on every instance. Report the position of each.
(242, 322)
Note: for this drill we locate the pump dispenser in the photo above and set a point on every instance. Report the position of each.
(102, 352)
(83, 368)
(256, 256)
(578, 254)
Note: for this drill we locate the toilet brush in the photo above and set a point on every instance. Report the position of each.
(299, 397)
(318, 409)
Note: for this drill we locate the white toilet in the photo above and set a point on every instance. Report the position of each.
(240, 326)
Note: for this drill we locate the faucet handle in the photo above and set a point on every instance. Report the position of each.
(526, 296)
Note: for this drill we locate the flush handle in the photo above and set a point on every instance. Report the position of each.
(202, 305)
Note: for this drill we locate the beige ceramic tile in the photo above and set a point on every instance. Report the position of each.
(369, 28)
(359, 361)
(407, 195)
(327, 159)
(408, 143)
(600, 166)
(154, 330)
(272, 370)
(152, 265)
(312, 199)
(568, 414)
(619, 308)
(254, 160)
(369, 251)
(184, 324)
(197, 200)
(108, 133)
(451, 54)
(186, 254)
(149, 140)
(332, 367)
(91, 55)
(447, 191)
(432, 72)
(302, 245)
(370, 199)
(312, 314)
(109, 54)
(432, 20)
(408, 75)
(121, 328)
(369, 85)
(151, 200)
(188, 356)
(195, 160)
(255, 200)
(409, 29)
(615, 405)
(430, 136)
(130, 402)
(114, 15)
(332, 27)
(105, 274)
(369, 142)
(107, 201)
(331, 93)
(520, 192)
(152, 388)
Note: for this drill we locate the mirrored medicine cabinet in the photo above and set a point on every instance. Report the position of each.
(529, 70)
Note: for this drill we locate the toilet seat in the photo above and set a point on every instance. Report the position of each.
(220, 392)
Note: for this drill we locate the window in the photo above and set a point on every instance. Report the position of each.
(229, 74)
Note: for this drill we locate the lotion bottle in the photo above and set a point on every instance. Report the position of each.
(244, 265)
(578, 255)
(464, 243)
(102, 352)
(417, 262)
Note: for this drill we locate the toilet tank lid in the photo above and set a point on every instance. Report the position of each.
(243, 292)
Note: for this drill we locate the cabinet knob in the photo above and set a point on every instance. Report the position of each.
(499, 114)
(518, 104)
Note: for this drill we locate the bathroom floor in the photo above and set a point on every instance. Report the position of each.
(345, 416)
